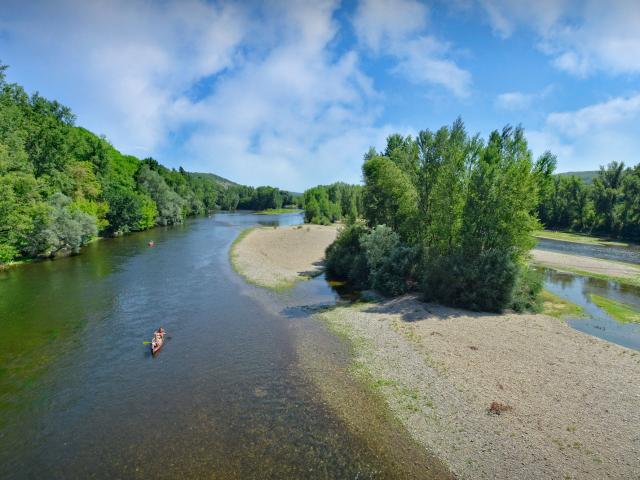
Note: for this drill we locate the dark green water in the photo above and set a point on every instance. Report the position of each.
(81, 397)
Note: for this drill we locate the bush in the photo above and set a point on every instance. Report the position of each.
(346, 258)
(390, 262)
(485, 282)
(63, 229)
(526, 293)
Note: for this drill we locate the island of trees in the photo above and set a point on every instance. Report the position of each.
(61, 186)
(452, 216)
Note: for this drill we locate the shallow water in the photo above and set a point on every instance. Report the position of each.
(620, 254)
(81, 397)
(577, 289)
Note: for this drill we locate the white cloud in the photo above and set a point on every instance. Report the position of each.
(589, 119)
(379, 22)
(515, 101)
(255, 94)
(397, 29)
(131, 62)
(582, 37)
(594, 135)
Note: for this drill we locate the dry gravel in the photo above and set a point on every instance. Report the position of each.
(586, 264)
(278, 257)
(575, 399)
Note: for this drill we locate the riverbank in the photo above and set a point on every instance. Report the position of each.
(580, 238)
(500, 396)
(607, 269)
(279, 257)
(278, 211)
(492, 396)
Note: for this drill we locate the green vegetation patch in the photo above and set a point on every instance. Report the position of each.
(617, 310)
(555, 306)
(278, 211)
(577, 238)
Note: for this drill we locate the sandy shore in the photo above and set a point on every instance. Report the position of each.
(577, 263)
(569, 403)
(278, 257)
(572, 401)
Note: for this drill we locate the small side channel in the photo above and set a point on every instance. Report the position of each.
(577, 289)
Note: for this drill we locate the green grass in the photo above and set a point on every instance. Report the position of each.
(578, 238)
(619, 311)
(277, 211)
(558, 307)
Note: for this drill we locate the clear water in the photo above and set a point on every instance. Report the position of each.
(577, 289)
(81, 397)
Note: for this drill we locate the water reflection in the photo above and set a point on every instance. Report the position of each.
(577, 289)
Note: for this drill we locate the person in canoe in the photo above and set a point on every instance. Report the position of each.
(158, 339)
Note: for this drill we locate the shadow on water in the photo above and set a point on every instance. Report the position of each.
(81, 397)
(607, 252)
(577, 289)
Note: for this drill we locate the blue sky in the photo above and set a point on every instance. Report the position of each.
(292, 93)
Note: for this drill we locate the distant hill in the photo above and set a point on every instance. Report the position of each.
(587, 176)
(217, 178)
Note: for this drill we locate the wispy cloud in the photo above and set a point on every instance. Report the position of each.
(582, 37)
(279, 105)
(398, 29)
(593, 135)
(515, 101)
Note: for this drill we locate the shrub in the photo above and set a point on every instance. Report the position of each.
(390, 262)
(484, 283)
(346, 258)
(526, 293)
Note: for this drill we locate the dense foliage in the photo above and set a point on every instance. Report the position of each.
(326, 204)
(61, 185)
(450, 214)
(609, 205)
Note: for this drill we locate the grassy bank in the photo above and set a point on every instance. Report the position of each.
(278, 211)
(558, 307)
(234, 256)
(619, 311)
(579, 238)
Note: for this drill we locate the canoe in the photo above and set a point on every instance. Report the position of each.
(157, 348)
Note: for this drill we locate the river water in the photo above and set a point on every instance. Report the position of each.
(629, 254)
(578, 290)
(81, 397)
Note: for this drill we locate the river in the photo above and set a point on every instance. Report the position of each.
(629, 254)
(81, 397)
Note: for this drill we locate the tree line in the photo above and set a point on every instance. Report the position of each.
(61, 185)
(609, 205)
(447, 214)
(326, 204)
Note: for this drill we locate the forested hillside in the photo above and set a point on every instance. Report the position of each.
(587, 176)
(61, 185)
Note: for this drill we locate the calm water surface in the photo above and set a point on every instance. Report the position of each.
(621, 254)
(577, 289)
(81, 397)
